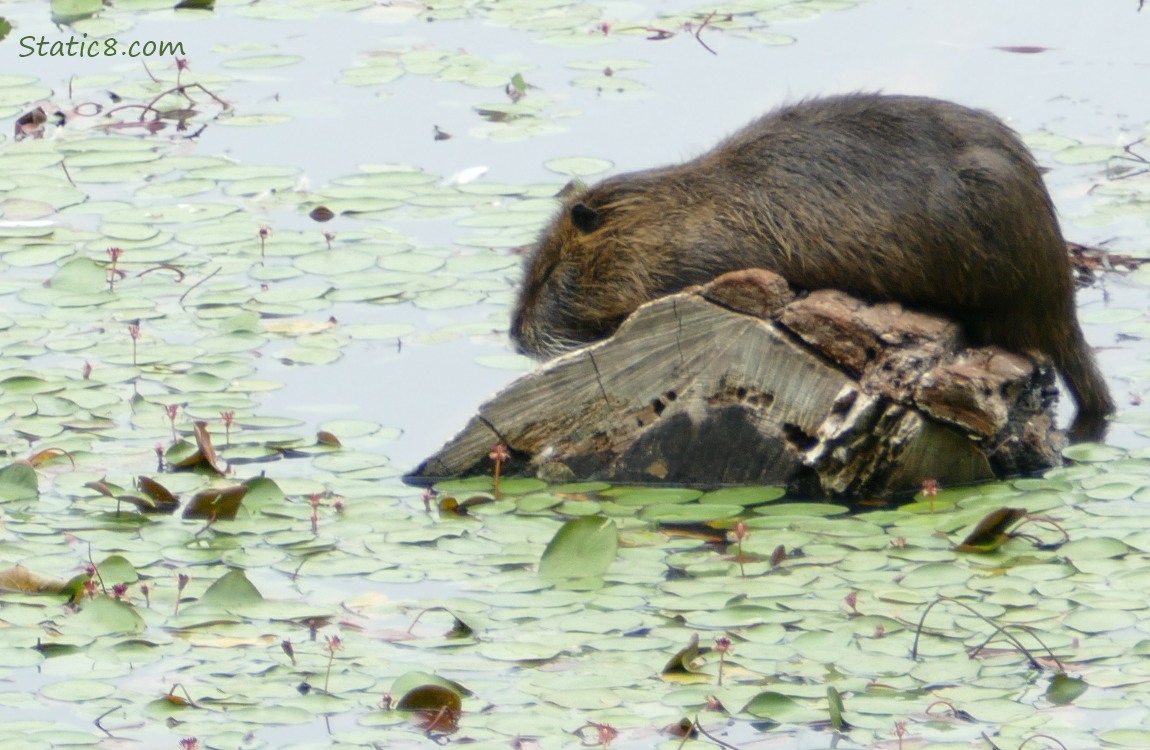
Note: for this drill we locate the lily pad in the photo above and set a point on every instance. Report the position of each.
(579, 166)
(582, 548)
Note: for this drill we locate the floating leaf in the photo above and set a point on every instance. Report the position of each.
(991, 531)
(521, 485)
(582, 548)
(262, 493)
(204, 453)
(578, 166)
(181, 454)
(683, 660)
(579, 488)
(743, 495)
(778, 708)
(18, 482)
(1093, 452)
(1064, 690)
(163, 501)
(21, 579)
(459, 628)
(1097, 621)
(70, 10)
(216, 504)
(106, 616)
(835, 701)
(117, 569)
(655, 496)
(1083, 154)
(437, 702)
(451, 505)
(36, 255)
(323, 437)
(232, 591)
(1046, 141)
(438, 708)
(1136, 738)
(689, 513)
(409, 681)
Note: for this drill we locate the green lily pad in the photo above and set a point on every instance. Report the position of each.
(655, 496)
(36, 255)
(18, 482)
(1082, 154)
(233, 591)
(582, 548)
(743, 495)
(579, 166)
(780, 708)
(104, 615)
(689, 513)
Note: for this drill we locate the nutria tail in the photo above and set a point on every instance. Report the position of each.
(1074, 359)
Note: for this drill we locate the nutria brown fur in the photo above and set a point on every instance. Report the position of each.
(901, 198)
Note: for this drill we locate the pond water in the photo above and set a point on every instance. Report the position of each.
(337, 103)
(1077, 87)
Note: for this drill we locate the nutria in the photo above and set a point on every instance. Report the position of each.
(901, 198)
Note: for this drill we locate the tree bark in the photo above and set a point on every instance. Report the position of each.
(741, 381)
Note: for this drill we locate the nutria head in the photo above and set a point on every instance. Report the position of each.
(591, 267)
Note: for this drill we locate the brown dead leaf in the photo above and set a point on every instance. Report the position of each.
(681, 662)
(31, 124)
(991, 531)
(207, 450)
(46, 455)
(163, 501)
(216, 504)
(454, 507)
(100, 486)
(23, 580)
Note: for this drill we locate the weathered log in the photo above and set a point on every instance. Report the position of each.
(740, 381)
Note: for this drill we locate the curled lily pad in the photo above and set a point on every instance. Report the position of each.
(582, 548)
(991, 531)
(222, 503)
(232, 591)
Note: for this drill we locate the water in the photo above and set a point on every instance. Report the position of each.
(1078, 86)
(1085, 86)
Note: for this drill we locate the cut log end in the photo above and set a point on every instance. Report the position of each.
(741, 381)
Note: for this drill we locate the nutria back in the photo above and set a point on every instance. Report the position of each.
(909, 199)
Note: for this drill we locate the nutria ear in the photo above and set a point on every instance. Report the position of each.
(585, 218)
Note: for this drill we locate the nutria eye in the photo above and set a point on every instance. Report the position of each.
(585, 218)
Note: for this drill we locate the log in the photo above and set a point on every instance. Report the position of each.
(742, 381)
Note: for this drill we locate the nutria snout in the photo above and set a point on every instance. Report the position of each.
(910, 199)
